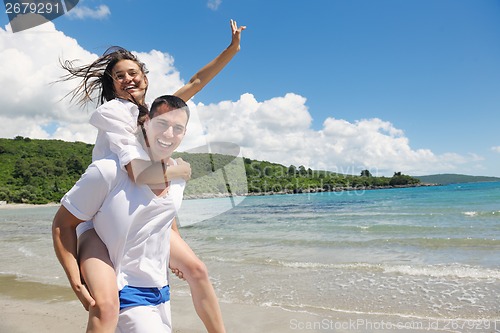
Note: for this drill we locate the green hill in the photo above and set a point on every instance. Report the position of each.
(41, 171)
(449, 178)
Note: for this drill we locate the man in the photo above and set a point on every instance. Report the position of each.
(134, 222)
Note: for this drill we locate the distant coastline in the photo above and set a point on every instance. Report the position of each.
(38, 172)
(452, 178)
(12, 205)
(305, 191)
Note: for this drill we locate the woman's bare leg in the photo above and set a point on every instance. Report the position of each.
(196, 273)
(99, 275)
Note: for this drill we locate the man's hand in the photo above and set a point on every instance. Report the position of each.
(178, 273)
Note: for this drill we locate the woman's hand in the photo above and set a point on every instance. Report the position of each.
(184, 169)
(236, 34)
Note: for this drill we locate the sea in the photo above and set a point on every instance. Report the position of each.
(422, 256)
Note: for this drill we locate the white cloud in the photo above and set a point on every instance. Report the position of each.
(163, 76)
(214, 4)
(278, 130)
(82, 12)
(496, 149)
(29, 65)
(31, 102)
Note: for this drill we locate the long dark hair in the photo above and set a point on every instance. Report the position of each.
(97, 78)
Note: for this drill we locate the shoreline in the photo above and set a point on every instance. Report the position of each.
(27, 307)
(303, 191)
(11, 205)
(57, 310)
(27, 316)
(27, 205)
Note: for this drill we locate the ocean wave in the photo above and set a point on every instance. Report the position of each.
(449, 242)
(495, 214)
(224, 259)
(437, 241)
(437, 271)
(26, 252)
(315, 309)
(20, 278)
(460, 271)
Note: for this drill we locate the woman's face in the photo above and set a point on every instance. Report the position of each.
(128, 79)
(166, 131)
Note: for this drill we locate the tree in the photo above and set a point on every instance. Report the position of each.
(366, 173)
(401, 179)
(75, 165)
(22, 171)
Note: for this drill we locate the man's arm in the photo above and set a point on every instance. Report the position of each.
(210, 70)
(175, 270)
(65, 246)
(84, 200)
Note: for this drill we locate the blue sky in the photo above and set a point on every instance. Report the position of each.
(388, 85)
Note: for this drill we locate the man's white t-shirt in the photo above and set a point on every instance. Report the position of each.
(131, 220)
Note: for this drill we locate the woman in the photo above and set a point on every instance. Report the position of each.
(122, 82)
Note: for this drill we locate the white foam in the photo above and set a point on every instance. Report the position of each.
(26, 252)
(302, 308)
(481, 214)
(222, 259)
(460, 271)
(471, 214)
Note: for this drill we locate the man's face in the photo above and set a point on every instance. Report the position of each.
(166, 131)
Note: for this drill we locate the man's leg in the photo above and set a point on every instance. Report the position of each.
(145, 319)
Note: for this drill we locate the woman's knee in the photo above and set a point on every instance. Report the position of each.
(107, 309)
(197, 270)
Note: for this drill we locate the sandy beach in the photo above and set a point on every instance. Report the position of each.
(27, 307)
(23, 205)
(28, 316)
(23, 314)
